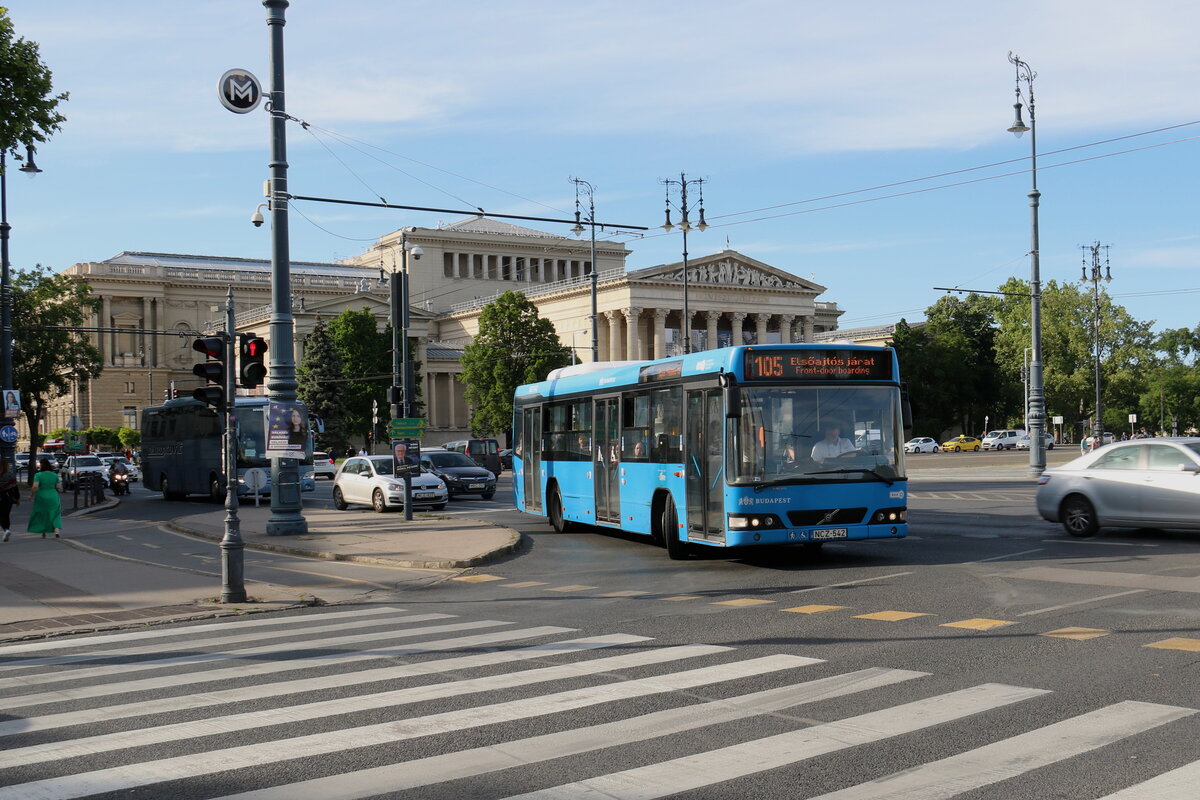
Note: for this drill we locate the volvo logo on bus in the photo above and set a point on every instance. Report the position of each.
(239, 91)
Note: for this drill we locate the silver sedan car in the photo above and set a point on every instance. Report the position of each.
(1141, 483)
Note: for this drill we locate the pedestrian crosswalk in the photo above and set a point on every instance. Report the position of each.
(378, 701)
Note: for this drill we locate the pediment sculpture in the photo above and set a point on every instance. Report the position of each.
(731, 273)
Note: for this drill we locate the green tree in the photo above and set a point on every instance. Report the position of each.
(101, 436)
(321, 385)
(129, 438)
(28, 107)
(514, 346)
(47, 356)
(366, 365)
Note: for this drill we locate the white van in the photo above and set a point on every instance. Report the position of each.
(1003, 439)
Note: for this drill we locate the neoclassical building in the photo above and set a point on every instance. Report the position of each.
(152, 304)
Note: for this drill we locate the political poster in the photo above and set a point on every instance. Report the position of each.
(12, 403)
(287, 430)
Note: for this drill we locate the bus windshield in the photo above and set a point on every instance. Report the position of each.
(252, 437)
(798, 434)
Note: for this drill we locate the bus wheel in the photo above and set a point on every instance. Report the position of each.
(215, 492)
(378, 502)
(166, 490)
(339, 502)
(676, 549)
(554, 508)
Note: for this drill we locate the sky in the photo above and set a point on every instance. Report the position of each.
(861, 145)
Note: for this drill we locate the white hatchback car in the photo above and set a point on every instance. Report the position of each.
(369, 480)
(921, 444)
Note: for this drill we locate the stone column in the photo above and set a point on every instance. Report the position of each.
(760, 328)
(785, 327)
(106, 336)
(633, 345)
(156, 323)
(660, 332)
(711, 318)
(143, 337)
(736, 318)
(807, 326)
(614, 335)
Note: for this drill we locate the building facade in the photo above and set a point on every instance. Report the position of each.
(154, 304)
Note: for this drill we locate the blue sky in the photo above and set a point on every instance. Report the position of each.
(775, 104)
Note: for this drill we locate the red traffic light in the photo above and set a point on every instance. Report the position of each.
(251, 370)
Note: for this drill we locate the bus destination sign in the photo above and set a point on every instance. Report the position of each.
(818, 365)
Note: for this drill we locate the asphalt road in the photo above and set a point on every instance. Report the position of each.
(1031, 665)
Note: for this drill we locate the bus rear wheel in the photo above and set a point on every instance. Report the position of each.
(166, 490)
(215, 492)
(676, 549)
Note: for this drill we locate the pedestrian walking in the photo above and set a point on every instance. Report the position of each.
(10, 495)
(46, 515)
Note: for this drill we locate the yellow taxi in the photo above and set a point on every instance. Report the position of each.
(963, 442)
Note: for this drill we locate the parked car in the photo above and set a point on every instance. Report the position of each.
(962, 442)
(921, 444)
(484, 452)
(369, 480)
(323, 464)
(1003, 439)
(130, 469)
(1023, 443)
(461, 474)
(22, 462)
(76, 466)
(1141, 483)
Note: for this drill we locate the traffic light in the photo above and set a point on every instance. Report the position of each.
(251, 369)
(212, 370)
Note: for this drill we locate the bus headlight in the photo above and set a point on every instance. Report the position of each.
(756, 522)
(886, 515)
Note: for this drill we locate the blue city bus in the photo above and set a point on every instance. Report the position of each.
(742, 446)
(182, 441)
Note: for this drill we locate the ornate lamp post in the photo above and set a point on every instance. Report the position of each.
(1096, 276)
(1037, 396)
(8, 449)
(578, 229)
(685, 225)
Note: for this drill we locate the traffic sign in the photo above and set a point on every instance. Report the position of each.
(8, 434)
(406, 428)
(239, 91)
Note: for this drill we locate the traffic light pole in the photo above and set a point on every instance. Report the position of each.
(233, 587)
(286, 518)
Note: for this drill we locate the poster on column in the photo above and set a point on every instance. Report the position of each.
(12, 403)
(287, 430)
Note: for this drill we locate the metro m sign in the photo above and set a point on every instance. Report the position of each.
(239, 91)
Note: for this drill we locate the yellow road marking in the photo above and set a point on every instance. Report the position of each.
(742, 602)
(1077, 634)
(1178, 643)
(522, 584)
(891, 616)
(677, 598)
(815, 609)
(631, 593)
(477, 578)
(571, 588)
(978, 624)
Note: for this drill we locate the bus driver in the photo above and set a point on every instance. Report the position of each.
(832, 446)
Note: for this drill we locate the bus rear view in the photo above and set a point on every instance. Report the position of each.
(738, 447)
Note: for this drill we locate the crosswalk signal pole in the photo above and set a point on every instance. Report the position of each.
(233, 585)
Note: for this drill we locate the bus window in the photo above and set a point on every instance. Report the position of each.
(666, 407)
(635, 427)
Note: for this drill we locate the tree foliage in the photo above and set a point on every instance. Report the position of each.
(46, 358)
(320, 376)
(514, 346)
(366, 367)
(129, 438)
(28, 107)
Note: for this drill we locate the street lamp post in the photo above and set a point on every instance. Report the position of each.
(1096, 276)
(578, 229)
(685, 225)
(8, 449)
(1036, 407)
(400, 397)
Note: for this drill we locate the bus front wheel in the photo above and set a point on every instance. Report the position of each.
(215, 492)
(554, 508)
(676, 549)
(166, 490)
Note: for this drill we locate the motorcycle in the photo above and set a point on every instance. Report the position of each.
(120, 484)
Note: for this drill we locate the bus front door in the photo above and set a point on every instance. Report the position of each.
(704, 465)
(606, 475)
(531, 461)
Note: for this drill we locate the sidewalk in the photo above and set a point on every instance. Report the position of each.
(50, 587)
(429, 541)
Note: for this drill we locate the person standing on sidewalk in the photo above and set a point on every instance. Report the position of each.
(46, 515)
(10, 495)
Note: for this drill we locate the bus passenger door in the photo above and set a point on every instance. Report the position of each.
(531, 459)
(606, 472)
(704, 465)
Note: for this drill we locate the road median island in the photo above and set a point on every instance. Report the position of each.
(426, 542)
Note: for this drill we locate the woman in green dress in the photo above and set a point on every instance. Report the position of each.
(46, 515)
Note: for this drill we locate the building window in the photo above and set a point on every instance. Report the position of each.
(130, 415)
(130, 388)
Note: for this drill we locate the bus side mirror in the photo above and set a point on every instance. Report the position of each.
(732, 395)
(905, 407)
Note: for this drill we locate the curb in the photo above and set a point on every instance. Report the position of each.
(512, 546)
(105, 506)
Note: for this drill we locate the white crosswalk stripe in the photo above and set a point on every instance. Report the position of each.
(216, 706)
